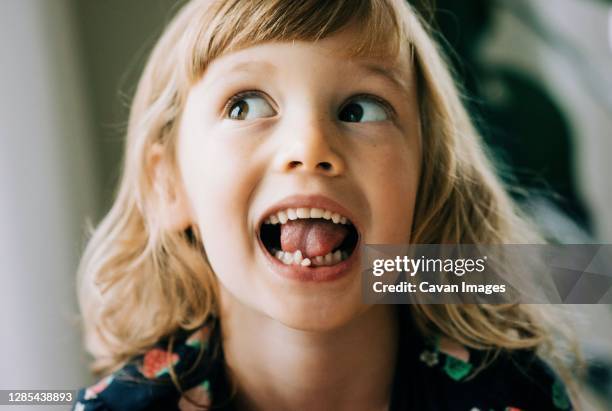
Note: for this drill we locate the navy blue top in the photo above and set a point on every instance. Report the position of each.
(426, 379)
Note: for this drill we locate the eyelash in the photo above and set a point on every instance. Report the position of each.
(241, 96)
(256, 93)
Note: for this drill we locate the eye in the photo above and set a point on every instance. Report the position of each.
(248, 106)
(363, 109)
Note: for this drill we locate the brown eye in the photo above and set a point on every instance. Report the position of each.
(351, 113)
(363, 109)
(239, 110)
(249, 107)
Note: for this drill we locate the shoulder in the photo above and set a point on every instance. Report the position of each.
(146, 383)
(510, 380)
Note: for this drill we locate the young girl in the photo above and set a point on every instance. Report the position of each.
(268, 141)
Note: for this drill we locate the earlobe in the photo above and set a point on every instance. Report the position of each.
(169, 195)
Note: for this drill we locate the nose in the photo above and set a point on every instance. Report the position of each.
(308, 148)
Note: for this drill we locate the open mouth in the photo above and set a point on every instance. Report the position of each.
(308, 237)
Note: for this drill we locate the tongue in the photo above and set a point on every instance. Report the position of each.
(312, 237)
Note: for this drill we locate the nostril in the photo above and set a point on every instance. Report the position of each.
(325, 165)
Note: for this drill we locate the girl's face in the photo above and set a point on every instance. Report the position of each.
(300, 126)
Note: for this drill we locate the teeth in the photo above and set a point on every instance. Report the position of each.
(316, 213)
(328, 259)
(287, 258)
(282, 217)
(303, 212)
(337, 257)
(292, 214)
(296, 258)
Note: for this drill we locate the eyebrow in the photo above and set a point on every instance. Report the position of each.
(392, 75)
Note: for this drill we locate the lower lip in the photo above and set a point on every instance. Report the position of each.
(316, 274)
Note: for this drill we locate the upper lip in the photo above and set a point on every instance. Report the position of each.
(309, 201)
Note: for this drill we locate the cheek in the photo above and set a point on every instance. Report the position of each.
(392, 187)
(219, 178)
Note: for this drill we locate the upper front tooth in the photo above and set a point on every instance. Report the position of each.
(316, 213)
(282, 217)
(304, 212)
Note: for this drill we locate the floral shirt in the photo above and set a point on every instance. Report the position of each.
(426, 379)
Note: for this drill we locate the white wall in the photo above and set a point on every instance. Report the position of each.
(47, 188)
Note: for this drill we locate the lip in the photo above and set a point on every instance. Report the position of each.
(311, 273)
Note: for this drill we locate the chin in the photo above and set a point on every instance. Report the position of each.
(316, 313)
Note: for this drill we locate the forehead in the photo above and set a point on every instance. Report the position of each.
(334, 53)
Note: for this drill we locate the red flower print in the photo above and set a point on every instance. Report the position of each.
(156, 362)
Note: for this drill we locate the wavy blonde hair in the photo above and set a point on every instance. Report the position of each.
(139, 283)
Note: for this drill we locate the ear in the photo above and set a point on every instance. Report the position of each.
(172, 205)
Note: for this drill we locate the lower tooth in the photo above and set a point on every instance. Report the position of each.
(288, 258)
(297, 257)
(337, 256)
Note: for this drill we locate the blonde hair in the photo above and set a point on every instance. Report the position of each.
(139, 283)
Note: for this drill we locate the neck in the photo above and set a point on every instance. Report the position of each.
(279, 368)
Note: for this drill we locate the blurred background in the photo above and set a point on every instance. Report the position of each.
(536, 75)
